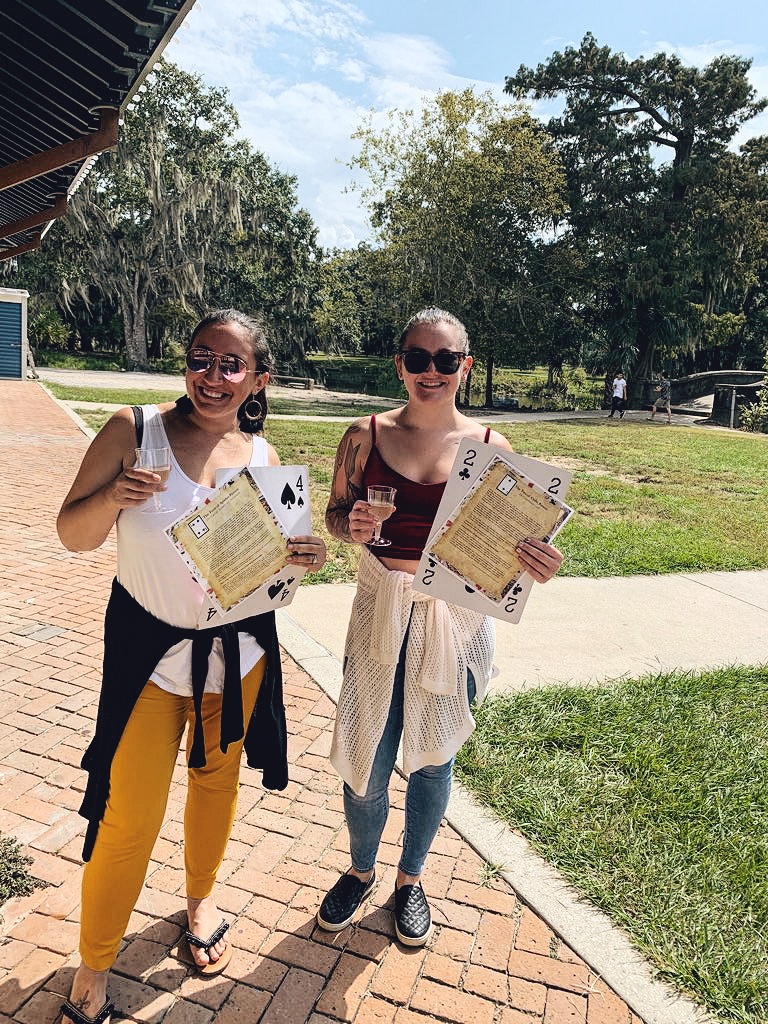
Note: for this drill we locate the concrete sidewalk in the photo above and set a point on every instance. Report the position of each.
(497, 956)
(583, 631)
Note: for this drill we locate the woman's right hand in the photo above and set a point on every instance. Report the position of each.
(133, 486)
(361, 523)
(105, 483)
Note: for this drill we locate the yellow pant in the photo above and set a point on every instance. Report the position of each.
(140, 780)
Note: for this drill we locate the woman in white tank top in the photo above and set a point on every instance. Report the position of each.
(215, 426)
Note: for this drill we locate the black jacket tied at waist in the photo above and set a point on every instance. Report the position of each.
(134, 643)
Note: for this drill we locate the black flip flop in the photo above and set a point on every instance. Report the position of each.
(212, 967)
(78, 1017)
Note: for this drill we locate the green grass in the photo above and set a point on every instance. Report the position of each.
(656, 501)
(647, 501)
(651, 797)
(114, 396)
(278, 405)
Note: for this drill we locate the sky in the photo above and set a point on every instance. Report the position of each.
(304, 74)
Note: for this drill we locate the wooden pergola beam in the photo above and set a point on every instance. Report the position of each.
(35, 243)
(41, 217)
(105, 137)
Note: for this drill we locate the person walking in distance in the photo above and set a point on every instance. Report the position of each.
(663, 391)
(619, 396)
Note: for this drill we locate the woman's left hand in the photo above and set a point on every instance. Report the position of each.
(539, 560)
(309, 552)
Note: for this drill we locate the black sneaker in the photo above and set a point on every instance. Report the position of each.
(413, 920)
(341, 904)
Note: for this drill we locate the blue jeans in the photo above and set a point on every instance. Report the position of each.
(426, 796)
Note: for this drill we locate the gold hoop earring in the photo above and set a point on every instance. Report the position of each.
(248, 409)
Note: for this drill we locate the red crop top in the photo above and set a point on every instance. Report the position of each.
(415, 504)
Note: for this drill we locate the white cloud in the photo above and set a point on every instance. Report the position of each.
(704, 53)
(302, 75)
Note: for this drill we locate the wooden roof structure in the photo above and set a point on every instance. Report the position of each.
(67, 70)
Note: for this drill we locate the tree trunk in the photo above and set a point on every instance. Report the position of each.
(135, 334)
(489, 379)
(642, 368)
(133, 306)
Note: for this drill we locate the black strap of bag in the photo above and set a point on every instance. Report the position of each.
(138, 418)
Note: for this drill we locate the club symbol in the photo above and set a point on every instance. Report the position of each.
(464, 474)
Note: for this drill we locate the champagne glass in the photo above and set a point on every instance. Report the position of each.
(382, 504)
(159, 461)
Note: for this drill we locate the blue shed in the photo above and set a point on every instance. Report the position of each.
(13, 333)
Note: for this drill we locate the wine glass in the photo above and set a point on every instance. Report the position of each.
(159, 461)
(381, 500)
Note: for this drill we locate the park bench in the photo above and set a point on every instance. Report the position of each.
(348, 380)
(294, 382)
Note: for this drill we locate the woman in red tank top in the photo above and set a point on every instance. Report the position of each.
(411, 448)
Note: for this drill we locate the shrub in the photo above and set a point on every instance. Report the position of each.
(47, 330)
(15, 879)
(754, 417)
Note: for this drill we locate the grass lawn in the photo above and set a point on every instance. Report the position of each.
(647, 500)
(686, 499)
(279, 405)
(651, 797)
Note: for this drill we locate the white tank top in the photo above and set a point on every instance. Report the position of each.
(155, 576)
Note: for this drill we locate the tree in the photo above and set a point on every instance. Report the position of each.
(638, 140)
(146, 213)
(729, 234)
(459, 193)
(270, 263)
(182, 217)
(358, 310)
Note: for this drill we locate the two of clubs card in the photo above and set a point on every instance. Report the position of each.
(473, 460)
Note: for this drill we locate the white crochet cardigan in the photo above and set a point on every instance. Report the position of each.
(444, 641)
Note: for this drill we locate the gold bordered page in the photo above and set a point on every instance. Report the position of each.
(477, 542)
(231, 542)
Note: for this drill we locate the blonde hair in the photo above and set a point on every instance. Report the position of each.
(434, 315)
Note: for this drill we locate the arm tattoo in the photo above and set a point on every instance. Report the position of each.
(340, 504)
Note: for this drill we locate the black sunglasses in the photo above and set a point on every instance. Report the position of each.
(232, 368)
(417, 360)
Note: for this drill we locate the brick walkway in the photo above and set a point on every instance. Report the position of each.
(490, 960)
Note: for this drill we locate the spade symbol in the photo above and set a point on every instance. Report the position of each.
(300, 502)
(288, 498)
(275, 589)
(469, 590)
